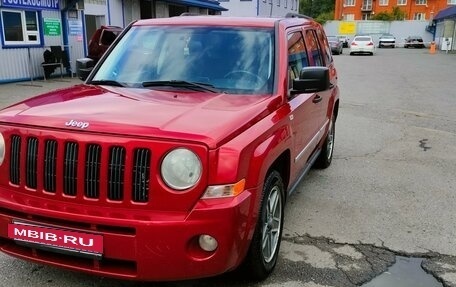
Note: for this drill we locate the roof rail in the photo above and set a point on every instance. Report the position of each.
(189, 14)
(296, 15)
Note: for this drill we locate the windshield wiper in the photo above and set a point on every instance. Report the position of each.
(182, 84)
(107, 83)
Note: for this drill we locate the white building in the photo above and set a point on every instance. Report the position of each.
(264, 8)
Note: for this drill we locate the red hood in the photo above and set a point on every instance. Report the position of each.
(195, 116)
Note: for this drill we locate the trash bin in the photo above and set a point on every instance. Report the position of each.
(83, 67)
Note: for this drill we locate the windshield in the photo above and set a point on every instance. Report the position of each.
(332, 39)
(232, 60)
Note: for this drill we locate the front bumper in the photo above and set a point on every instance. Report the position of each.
(387, 44)
(138, 245)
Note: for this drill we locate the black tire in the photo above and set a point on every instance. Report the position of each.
(325, 157)
(260, 261)
(351, 53)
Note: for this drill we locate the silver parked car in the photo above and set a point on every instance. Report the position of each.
(386, 40)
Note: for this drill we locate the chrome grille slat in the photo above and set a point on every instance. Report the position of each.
(141, 171)
(70, 168)
(92, 173)
(50, 165)
(116, 173)
(15, 160)
(31, 163)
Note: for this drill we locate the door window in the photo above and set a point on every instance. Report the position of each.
(314, 48)
(297, 56)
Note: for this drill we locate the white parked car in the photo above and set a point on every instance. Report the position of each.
(362, 45)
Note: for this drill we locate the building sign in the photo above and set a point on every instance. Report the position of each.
(52, 27)
(347, 28)
(36, 4)
(74, 27)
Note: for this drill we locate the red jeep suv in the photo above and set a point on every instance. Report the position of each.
(175, 157)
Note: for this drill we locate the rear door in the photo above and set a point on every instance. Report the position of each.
(320, 52)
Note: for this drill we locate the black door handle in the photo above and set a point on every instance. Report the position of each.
(317, 99)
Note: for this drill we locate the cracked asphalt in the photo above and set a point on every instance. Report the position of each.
(389, 192)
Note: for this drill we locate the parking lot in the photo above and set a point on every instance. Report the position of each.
(390, 190)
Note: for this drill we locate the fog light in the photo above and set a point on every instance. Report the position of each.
(207, 242)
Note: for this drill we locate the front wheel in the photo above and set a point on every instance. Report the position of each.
(325, 157)
(264, 248)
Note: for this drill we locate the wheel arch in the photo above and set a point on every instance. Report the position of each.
(282, 166)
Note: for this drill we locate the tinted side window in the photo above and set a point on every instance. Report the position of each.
(312, 42)
(326, 49)
(297, 56)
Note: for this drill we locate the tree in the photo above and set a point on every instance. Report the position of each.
(325, 17)
(314, 8)
(395, 14)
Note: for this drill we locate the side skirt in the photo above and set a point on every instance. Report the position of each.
(306, 169)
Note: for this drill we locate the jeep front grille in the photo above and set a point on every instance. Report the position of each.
(116, 173)
(70, 176)
(43, 158)
(50, 165)
(15, 160)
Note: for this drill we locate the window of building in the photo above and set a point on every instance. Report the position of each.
(286, 3)
(278, 3)
(20, 27)
(383, 3)
(420, 2)
(419, 16)
(349, 17)
(296, 5)
(349, 2)
(366, 16)
(401, 2)
(452, 2)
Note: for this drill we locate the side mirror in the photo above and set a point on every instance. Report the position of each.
(312, 79)
(83, 67)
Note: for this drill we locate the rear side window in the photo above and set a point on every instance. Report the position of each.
(324, 41)
(314, 48)
(297, 56)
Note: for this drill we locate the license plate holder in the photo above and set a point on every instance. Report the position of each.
(66, 241)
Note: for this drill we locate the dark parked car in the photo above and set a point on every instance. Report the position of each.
(101, 40)
(336, 45)
(344, 40)
(414, 41)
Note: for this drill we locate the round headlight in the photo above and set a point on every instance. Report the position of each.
(181, 169)
(2, 148)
